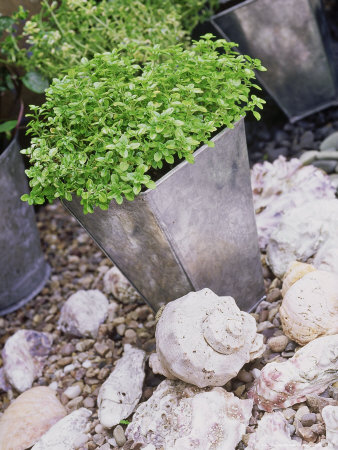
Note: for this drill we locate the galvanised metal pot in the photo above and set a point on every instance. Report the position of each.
(291, 39)
(23, 269)
(196, 229)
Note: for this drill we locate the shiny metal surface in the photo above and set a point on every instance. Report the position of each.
(292, 40)
(23, 269)
(196, 229)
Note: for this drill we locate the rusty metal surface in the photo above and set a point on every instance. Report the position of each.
(23, 269)
(292, 40)
(196, 229)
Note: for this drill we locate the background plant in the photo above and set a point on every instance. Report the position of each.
(64, 32)
(109, 121)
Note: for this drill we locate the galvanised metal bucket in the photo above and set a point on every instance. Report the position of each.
(292, 40)
(23, 269)
(196, 229)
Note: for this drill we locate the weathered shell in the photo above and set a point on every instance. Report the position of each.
(301, 234)
(310, 307)
(272, 433)
(180, 417)
(29, 417)
(295, 272)
(310, 371)
(204, 339)
(282, 185)
(121, 392)
(83, 313)
(68, 433)
(330, 416)
(327, 257)
(24, 356)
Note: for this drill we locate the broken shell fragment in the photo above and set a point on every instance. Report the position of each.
(301, 234)
(121, 392)
(310, 371)
(330, 416)
(310, 306)
(204, 339)
(272, 433)
(179, 416)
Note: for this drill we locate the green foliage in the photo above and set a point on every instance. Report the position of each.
(9, 125)
(124, 422)
(193, 11)
(109, 121)
(64, 32)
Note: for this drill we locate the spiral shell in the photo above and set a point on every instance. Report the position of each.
(204, 339)
(310, 305)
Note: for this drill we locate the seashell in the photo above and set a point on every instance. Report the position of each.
(272, 433)
(310, 371)
(283, 185)
(180, 417)
(295, 271)
(67, 434)
(330, 416)
(82, 314)
(327, 257)
(204, 339)
(303, 231)
(24, 356)
(121, 392)
(29, 417)
(310, 307)
(114, 282)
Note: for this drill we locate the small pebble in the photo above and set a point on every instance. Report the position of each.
(273, 295)
(245, 376)
(301, 412)
(73, 391)
(89, 402)
(121, 328)
(119, 435)
(308, 419)
(278, 343)
(307, 434)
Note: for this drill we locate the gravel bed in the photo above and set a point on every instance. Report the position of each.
(77, 367)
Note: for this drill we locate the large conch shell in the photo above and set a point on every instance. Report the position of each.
(204, 339)
(310, 304)
(310, 371)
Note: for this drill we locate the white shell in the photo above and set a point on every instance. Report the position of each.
(121, 392)
(180, 417)
(282, 185)
(327, 257)
(310, 371)
(204, 339)
(296, 270)
(83, 313)
(24, 356)
(330, 416)
(272, 434)
(67, 434)
(29, 417)
(310, 307)
(301, 234)
(114, 282)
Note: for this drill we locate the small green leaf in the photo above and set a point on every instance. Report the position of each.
(8, 126)
(157, 156)
(211, 144)
(256, 114)
(5, 23)
(25, 197)
(35, 82)
(124, 422)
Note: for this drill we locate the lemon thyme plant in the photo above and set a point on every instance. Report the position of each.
(66, 31)
(109, 121)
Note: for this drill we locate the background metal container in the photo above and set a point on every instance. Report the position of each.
(196, 229)
(292, 40)
(23, 269)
